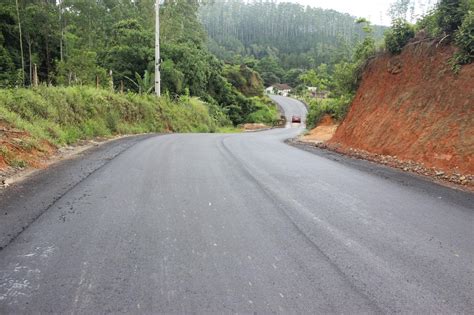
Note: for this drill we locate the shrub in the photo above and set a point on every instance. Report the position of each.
(266, 112)
(398, 36)
(465, 39)
(451, 14)
(335, 107)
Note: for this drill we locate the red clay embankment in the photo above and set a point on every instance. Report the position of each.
(414, 107)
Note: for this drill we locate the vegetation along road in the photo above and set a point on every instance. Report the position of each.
(237, 223)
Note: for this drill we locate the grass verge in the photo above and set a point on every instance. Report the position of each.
(59, 116)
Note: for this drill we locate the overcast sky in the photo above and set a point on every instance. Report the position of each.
(375, 10)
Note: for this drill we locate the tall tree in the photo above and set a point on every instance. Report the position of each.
(21, 43)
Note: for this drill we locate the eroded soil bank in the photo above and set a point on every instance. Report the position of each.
(415, 108)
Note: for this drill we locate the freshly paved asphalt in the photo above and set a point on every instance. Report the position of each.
(241, 223)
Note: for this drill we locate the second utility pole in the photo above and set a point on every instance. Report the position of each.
(157, 49)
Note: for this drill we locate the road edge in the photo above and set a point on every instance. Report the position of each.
(24, 201)
(424, 184)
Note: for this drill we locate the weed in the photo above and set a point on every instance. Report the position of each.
(30, 144)
(10, 158)
(17, 163)
(4, 152)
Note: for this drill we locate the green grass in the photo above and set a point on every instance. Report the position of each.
(229, 130)
(64, 115)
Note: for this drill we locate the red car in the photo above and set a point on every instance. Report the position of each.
(296, 119)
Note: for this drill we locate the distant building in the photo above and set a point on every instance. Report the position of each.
(279, 89)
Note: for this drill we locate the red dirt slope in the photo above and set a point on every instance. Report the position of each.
(414, 107)
(17, 149)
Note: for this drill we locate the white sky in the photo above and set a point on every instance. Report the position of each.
(375, 10)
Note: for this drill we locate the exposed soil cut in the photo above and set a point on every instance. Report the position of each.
(414, 108)
(323, 132)
(21, 155)
(19, 150)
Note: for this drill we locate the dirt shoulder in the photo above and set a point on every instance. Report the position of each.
(251, 127)
(453, 179)
(36, 160)
(323, 132)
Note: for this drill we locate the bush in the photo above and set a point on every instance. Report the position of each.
(451, 14)
(266, 112)
(398, 36)
(429, 24)
(465, 39)
(335, 107)
(344, 79)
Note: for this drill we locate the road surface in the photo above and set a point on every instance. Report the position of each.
(241, 223)
(290, 108)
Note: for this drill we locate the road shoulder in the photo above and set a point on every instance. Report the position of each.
(455, 193)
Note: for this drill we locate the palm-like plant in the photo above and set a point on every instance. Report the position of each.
(145, 84)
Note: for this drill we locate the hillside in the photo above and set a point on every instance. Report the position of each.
(35, 123)
(413, 106)
(111, 44)
(298, 37)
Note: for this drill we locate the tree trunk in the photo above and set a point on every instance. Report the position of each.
(21, 44)
(111, 81)
(61, 54)
(47, 61)
(30, 61)
(35, 76)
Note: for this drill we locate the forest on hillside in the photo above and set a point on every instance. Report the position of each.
(298, 36)
(110, 44)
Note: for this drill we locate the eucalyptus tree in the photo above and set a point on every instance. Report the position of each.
(300, 37)
(21, 42)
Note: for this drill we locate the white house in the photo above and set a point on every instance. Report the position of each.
(279, 89)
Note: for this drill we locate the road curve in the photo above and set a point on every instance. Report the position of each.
(290, 107)
(244, 223)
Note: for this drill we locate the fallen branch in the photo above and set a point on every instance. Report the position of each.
(442, 39)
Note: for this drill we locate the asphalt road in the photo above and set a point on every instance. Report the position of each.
(291, 107)
(240, 223)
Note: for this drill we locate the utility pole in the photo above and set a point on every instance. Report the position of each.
(157, 49)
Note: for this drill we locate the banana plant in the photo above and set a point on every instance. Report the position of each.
(145, 84)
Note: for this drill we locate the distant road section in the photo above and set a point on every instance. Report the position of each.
(239, 223)
(291, 107)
